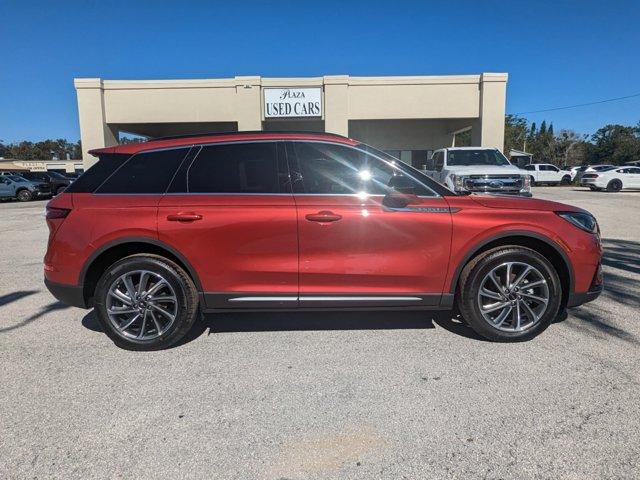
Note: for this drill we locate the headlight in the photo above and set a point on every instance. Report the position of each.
(526, 182)
(584, 221)
(458, 183)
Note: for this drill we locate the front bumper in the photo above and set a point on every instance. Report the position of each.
(72, 295)
(577, 299)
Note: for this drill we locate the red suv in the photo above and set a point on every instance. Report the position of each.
(157, 231)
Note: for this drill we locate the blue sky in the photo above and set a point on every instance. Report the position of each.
(556, 52)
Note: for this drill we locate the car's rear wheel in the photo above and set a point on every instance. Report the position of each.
(146, 302)
(509, 293)
(566, 180)
(24, 195)
(614, 185)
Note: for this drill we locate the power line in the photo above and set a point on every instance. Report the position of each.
(580, 104)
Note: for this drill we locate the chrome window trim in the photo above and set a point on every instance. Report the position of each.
(188, 147)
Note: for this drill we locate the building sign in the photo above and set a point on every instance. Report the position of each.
(33, 166)
(292, 102)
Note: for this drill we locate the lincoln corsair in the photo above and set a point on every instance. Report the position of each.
(156, 232)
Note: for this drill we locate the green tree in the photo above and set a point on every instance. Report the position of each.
(616, 144)
(543, 128)
(515, 133)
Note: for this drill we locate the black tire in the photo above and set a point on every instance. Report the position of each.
(614, 185)
(476, 270)
(566, 180)
(182, 284)
(24, 195)
(533, 181)
(60, 189)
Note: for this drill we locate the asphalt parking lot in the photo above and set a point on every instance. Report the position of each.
(317, 396)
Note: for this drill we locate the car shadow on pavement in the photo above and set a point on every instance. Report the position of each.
(621, 258)
(300, 321)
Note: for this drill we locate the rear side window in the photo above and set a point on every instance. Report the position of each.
(236, 168)
(97, 173)
(147, 172)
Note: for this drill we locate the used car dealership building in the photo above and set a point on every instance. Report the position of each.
(406, 116)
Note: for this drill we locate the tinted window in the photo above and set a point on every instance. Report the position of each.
(97, 173)
(235, 168)
(340, 170)
(147, 172)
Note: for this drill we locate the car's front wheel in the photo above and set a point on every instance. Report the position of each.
(146, 302)
(509, 293)
(24, 195)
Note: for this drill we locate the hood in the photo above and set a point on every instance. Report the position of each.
(522, 203)
(484, 169)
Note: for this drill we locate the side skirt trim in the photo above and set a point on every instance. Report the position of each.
(252, 300)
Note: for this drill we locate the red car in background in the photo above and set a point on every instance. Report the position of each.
(155, 232)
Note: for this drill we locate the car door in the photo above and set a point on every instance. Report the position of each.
(439, 167)
(531, 169)
(6, 189)
(356, 251)
(230, 212)
(634, 177)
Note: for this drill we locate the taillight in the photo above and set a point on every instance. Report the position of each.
(55, 213)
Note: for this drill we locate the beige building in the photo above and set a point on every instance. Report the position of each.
(407, 116)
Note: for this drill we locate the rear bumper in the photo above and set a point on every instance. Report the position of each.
(72, 295)
(577, 299)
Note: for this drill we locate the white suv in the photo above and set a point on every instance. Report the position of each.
(477, 169)
(547, 173)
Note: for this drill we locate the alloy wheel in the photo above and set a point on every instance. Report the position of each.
(513, 296)
(141, 305)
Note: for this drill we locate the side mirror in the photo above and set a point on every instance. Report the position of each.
(399, 200)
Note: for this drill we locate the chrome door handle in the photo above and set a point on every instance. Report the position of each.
(323, 217)
(184, 217)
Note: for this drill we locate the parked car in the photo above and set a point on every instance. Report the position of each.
(156, 231)
(572, 170)
(547, 173)
(476, 169)
(15, 186)
(612, 179)
(56, 181)
(599, 168)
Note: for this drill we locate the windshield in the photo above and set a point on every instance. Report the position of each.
(604, 169)
(463, 158)
(16, 178)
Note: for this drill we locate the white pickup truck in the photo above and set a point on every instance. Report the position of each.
(477, 169)
(547, 173)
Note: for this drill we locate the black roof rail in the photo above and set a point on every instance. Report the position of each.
(252, 132)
